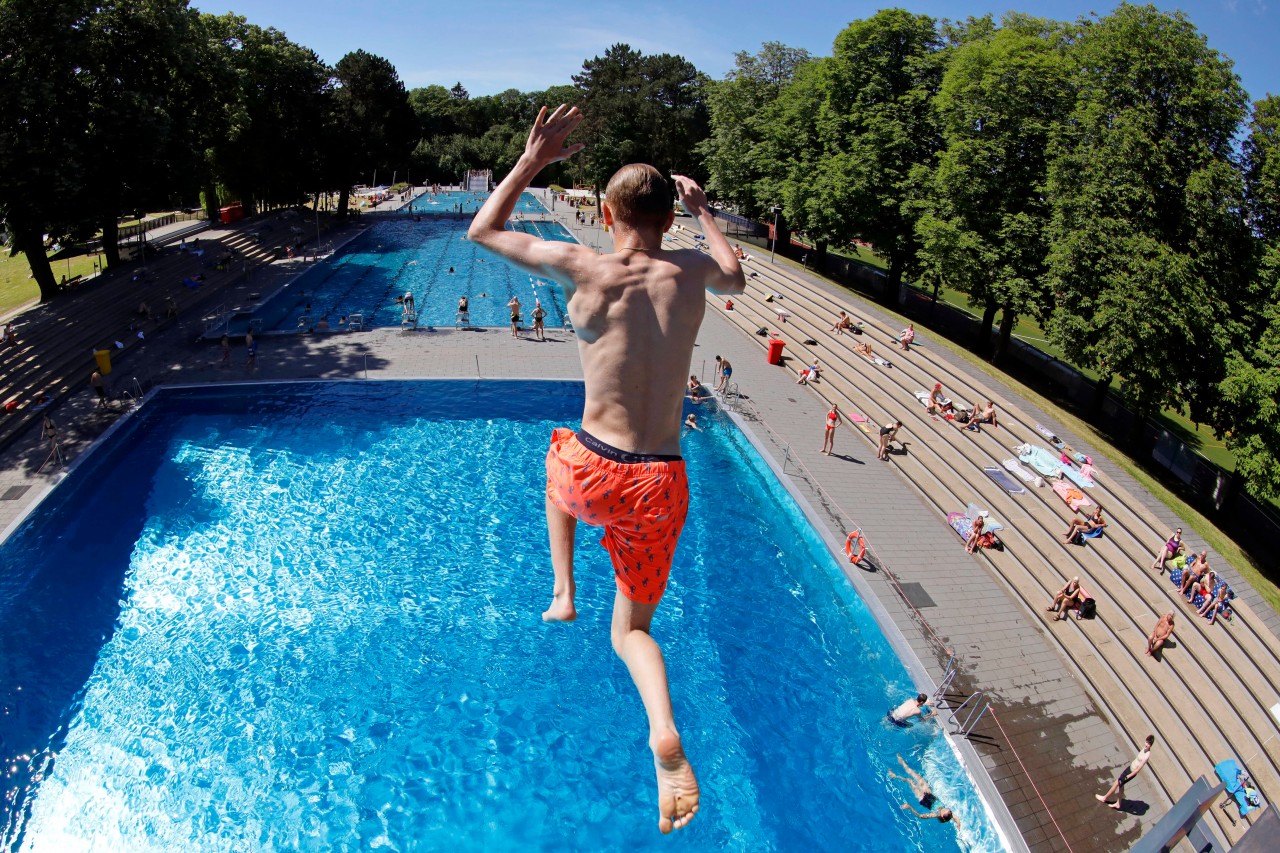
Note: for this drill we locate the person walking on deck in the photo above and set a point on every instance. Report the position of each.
(1126, 774)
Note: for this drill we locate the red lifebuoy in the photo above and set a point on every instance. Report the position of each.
(855, 536)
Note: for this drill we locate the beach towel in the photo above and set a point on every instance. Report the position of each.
(1238, 786)
(1070, 495)
(1039, 459)
(962, 524)
(1049, 465)
(1046, 432)
(1004, 480)
(875, 359)
(1022, 473)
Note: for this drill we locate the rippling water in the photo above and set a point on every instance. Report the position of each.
(308, 617)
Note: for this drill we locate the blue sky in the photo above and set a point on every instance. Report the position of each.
(492, 45)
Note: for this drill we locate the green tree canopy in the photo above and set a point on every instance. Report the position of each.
(638, 108)
(43, 103)
(274, 121)
(875, 130)
(985, 214)
(373, 126)
(739, 108)
(1142, 185)
(1250, 408)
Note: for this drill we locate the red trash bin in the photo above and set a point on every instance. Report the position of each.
(775, 350)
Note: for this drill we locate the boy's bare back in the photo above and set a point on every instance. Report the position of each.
(636, 312)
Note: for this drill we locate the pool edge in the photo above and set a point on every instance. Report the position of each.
(1001, 818)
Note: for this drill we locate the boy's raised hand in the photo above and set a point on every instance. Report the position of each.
(546, 139)
(691, 195)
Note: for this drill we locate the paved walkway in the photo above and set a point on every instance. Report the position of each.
(1052, 734)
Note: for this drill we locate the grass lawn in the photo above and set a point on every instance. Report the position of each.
(17, 288)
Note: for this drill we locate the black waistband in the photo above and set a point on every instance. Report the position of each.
(608, 451)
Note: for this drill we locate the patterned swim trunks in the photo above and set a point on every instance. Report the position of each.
(640, 500)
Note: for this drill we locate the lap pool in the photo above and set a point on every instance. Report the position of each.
(306, 616)
(426, 254)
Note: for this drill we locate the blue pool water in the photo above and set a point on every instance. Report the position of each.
(307, 616)
(406, 253)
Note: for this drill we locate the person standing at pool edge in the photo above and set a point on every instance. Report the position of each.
(637, 313)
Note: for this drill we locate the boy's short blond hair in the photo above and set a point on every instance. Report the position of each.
(639, 196)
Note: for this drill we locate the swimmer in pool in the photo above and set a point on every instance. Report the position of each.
(637, 312)
(919, 785)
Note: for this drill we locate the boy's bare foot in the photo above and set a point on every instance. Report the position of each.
(1100, 798)
(677, 786)
(561, 609)
(1115, 805)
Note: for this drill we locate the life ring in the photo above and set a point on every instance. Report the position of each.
(855, 536)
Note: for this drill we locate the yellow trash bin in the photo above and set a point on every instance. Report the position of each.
(103, 357)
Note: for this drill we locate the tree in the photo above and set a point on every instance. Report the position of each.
(1249, 417)
(637, 108)
(1142, 188)
(985, 218)
(875, 129)
(270, 147)
(738, 107)
(137, 75)
(43, 104)
(373, 126)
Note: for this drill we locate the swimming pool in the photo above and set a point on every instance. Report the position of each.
(308, 616)
(427, 255)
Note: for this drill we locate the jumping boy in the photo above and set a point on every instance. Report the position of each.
(637, 313)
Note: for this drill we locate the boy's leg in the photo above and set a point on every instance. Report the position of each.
(561, 528)
(677, 786)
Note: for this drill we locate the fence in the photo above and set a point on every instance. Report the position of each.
(137, 228)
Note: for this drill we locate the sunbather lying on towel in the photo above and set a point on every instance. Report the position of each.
(864, 350)
(1088, 524)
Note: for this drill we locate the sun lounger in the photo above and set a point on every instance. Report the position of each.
(1239, 787)
(1070, 495)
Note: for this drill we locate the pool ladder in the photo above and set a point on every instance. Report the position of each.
(731, 396)
(973, 708)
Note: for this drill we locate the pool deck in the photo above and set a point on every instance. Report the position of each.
(1050, 730)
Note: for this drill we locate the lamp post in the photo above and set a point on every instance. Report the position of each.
(774, 250)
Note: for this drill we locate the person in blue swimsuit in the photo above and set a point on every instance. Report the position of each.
(725, 369)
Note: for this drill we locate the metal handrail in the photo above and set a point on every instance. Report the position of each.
(976, 712)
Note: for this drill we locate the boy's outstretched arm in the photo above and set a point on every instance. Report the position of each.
(730, 279)
(546, 145)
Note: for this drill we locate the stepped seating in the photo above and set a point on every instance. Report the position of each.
(56, 340)
(1205, 701)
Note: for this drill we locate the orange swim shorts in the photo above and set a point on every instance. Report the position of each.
(641, 501)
